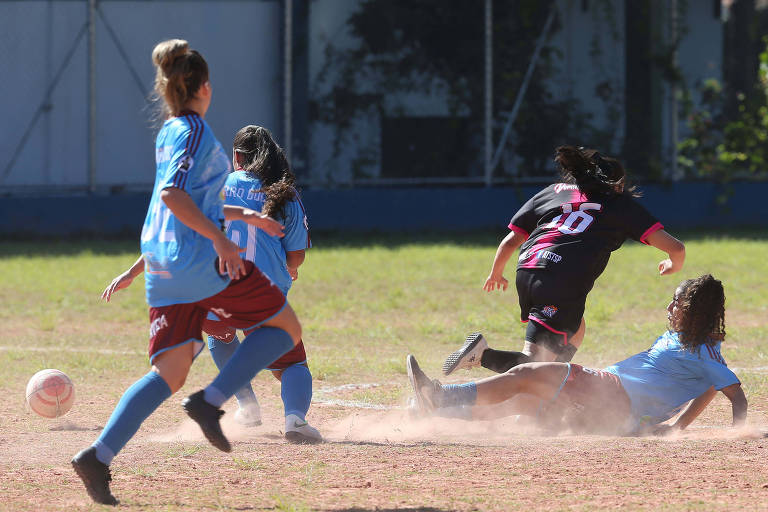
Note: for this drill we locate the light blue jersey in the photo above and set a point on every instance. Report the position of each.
(267, 252)
(661, 380)
(179, 262)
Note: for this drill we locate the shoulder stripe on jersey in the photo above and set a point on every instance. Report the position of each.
(308, 243)
(193, 143)
(298, 200)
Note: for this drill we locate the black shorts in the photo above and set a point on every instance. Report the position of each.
(552, 308)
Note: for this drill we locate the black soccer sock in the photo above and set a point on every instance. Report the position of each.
(500, 361)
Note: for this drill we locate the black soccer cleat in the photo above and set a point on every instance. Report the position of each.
(468, 356)
(207, 416)
(95, 476)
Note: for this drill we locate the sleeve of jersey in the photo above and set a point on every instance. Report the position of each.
(717, 371)
(181, 168)
(524, 221)
(720, 375)
(296, 228)
(640, 222)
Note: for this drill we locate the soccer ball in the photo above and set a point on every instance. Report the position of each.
(50, 393)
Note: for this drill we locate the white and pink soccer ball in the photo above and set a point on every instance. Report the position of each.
(50, 393)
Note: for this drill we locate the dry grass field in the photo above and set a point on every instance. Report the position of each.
(365, 303)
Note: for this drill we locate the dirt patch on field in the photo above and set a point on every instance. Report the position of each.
(384, 460)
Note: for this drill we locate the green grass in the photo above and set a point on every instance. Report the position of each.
(365, 302)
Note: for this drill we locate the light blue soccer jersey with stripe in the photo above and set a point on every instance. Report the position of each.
(663, 379)
(265, 251)
(179, 262)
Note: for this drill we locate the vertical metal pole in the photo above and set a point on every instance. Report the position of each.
(673, 121)
(288, 78)
(48, 80)
(91, 96)
(488, 92)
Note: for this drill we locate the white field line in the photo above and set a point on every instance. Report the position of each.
(321, 397)
(74, 350)
(27, 348)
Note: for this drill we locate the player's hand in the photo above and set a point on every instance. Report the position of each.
(666, 267)
(495, 283)
(293, 272)
(269, 225)
(229, 257)
(124, 280)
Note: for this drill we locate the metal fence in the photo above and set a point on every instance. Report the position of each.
(75, 92)
(359, 92)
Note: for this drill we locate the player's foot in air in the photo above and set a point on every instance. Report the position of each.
(468, 356)
(425, 389)
(95, 475)
(298, 431)
(249, 414)
(207, 416)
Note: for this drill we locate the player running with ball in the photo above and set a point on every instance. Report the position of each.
(566, 234)
(191, 268)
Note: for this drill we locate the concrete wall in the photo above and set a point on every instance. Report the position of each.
(680, 206)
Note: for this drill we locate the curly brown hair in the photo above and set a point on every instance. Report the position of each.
(701, 303)
(265, 160)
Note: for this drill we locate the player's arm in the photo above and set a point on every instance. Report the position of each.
(293, 259)
(695, 408)
(738, 403)
(674, 248)
(185, 209)
(258, 219)
(124, 280)
(507, 247)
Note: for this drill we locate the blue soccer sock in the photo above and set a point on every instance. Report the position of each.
(221, 353)
(455, 395)
(296, 390)
(259, 349)
(137, 403)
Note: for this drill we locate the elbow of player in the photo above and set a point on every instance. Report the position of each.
(678, 251)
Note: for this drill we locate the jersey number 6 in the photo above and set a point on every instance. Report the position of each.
(571, 222)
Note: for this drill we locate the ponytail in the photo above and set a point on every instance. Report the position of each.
(180, 73)
(263, 159)
(592, 172)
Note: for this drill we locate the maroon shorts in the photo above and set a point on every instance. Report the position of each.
(220, 330)
(246, 303)
(593, 401)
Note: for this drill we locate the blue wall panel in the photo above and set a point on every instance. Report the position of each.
(679, 206)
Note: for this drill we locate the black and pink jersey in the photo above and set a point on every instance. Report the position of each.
(570, 234)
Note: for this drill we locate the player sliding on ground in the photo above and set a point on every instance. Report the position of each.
(263, 181)
(566, 234)
(632, 396)
(191, 268)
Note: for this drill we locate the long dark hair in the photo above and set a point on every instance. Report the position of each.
(701, 302)
(262, 158)
(592, 172)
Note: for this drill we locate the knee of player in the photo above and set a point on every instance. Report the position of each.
(520, 371)
(174, 380)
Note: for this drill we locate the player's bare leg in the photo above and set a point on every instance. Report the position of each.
(539, 380)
